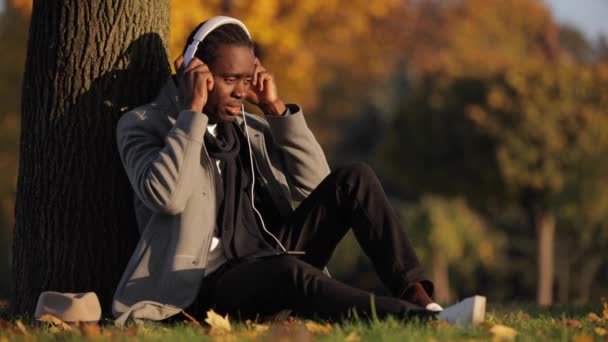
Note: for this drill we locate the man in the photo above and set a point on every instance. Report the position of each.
(214, 190)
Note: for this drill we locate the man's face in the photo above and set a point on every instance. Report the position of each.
(232, 74)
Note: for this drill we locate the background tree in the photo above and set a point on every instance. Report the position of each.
(500, 114)
(328, 56)
(13, 38)
(455, 237)
(87, 63)
(443, 67)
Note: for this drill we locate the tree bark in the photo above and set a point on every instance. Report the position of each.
(87, 63)
(544, 222)
(441, 278)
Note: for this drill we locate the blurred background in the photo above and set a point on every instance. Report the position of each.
(486, 121)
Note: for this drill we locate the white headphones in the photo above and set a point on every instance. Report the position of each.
(204, 30)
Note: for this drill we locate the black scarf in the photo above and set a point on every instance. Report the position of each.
(238, 224)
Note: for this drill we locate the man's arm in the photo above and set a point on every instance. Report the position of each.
(162, 173)
(305, 162)
(304, 159)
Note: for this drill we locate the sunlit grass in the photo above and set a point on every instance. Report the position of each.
(530, 323)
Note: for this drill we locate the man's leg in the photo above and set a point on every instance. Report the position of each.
(253, 289)
(352, 196)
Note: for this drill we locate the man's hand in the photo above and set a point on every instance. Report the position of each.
(195, 82)
(263, 91)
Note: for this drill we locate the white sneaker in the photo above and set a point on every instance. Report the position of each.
(434, 307)
(472, 310)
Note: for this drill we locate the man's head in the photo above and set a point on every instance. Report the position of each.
(228, 51)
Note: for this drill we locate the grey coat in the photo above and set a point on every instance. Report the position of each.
(169, 168)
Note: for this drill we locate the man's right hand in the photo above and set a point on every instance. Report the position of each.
(195, 82)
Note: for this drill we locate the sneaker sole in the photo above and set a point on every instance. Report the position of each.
(479, 309)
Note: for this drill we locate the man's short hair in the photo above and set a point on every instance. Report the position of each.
(230, 34)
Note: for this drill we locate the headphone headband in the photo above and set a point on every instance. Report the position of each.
(204, 30)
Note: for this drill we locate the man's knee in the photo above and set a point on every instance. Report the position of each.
(356, 173)
(293, 271)
(286, 269)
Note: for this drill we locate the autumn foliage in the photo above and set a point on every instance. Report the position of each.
(491, 128)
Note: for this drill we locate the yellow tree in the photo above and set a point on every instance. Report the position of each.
(502, 107)
(455, 237)
(13, 39)
(312, 46)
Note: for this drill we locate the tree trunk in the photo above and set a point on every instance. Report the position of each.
(563, 273)
(588, 271)
(544, 222)
(87, 63)
(441, 278)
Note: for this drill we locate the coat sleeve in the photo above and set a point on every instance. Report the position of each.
(305, 162)
(161, 172)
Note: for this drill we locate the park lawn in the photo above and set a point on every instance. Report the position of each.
(507, 323)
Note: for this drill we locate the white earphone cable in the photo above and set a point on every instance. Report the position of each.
(253, 182)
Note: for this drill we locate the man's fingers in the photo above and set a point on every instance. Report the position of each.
(198, 71)
(194, 63)
(178, 63)
(210, 83)
(256, 72)
(263, 78)
(202, 76)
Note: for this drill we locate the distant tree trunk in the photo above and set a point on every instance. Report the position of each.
(563, 273)
(545, 227)
(87, 63)
(588, 272)
(441, 278)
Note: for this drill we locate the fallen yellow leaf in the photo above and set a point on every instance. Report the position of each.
(224, 338)
(601, 331)
(247, 334)
(56, 322)
(90, 331)
(9, 327)
(317, 328)
(260, 327)
(582, 338)
(289, 331)
(219, 324)
(593, 317)
(352, 337)
(503, 332)
(109, 333)
(573, 323)
(606, 310)
(256, 327)
(22, 328)
(132, 331)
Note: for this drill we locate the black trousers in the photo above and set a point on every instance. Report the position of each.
(350, 197)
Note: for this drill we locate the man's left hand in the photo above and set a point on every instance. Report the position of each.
(263, 91)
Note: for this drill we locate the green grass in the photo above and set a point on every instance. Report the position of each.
(559, 323)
